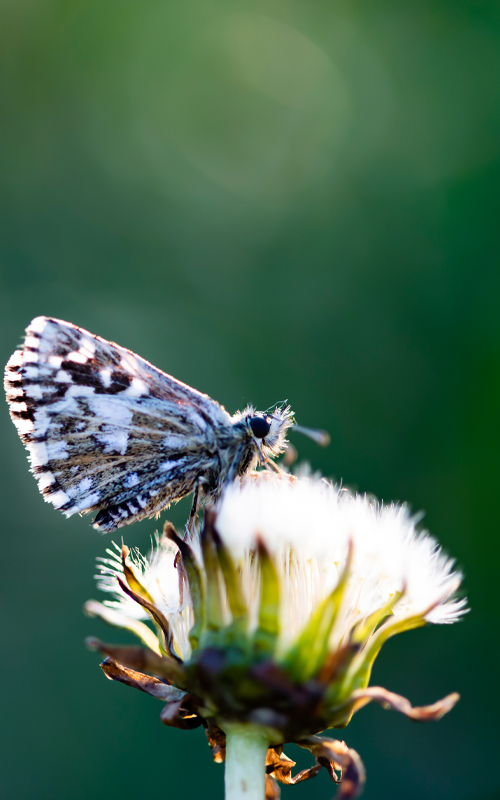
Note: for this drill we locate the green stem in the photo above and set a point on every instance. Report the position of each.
(246, 748)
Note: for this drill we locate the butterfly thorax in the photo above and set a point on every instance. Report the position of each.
(252, 438)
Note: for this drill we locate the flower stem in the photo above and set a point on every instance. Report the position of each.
(246, 748)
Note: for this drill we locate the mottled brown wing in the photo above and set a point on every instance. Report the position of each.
(105, 430)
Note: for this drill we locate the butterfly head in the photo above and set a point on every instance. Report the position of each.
(267, 430)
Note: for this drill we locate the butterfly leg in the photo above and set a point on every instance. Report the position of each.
(193, 516)
(233, 469)
(270, 464)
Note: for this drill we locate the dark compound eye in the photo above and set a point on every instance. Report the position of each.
(260, 427)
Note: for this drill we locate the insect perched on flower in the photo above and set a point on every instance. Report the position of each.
(108, 432)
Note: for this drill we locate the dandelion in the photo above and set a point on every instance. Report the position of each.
(266, 625)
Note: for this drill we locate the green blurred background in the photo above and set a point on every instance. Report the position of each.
(284, 199)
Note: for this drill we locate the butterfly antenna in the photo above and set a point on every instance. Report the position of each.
(320, 437)
(275, 405)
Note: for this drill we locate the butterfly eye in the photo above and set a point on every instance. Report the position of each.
(260, 427)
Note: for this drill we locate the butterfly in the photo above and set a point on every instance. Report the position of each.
(108, 432)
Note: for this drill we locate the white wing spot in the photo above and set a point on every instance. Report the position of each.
(16, 360)
(172, 442)
(57, 449)
(38, 325)
(24, 426)
(67, 406)
(136, 388)
(131, 480)
(33, 391)
(18, 407)
(45, 480)
(80, 391)
(57, 499)
(168, 465)
(111, 410)
(42, 422)
(63, 377)
(38, 454)
(31, 341)
(88, 502)
(77, 357)
(31, 373)
(105, 378)
(84, 485)
(114, 442)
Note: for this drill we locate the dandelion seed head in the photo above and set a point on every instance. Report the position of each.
(309, 526)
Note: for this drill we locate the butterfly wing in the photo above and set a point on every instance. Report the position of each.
(106, 431)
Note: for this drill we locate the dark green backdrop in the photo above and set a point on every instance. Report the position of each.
(289, 198)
